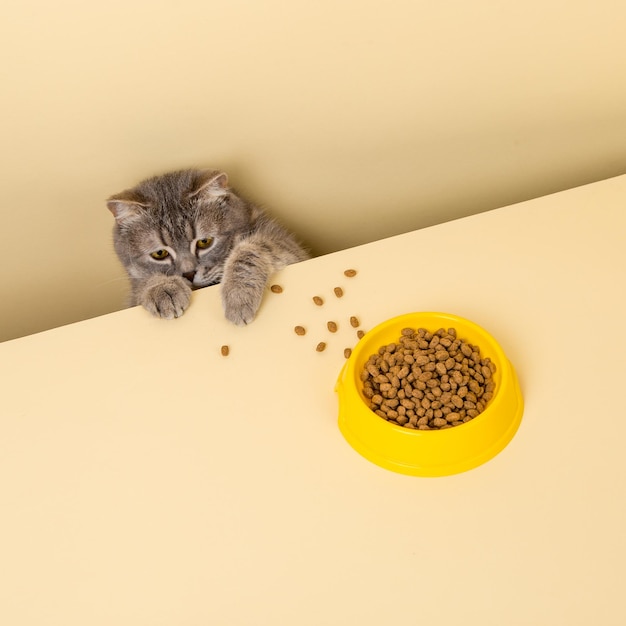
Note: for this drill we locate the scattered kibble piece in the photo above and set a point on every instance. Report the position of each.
(299, 330)
(276, 289)
(332, 327)
(360, 334)
(321, 346)
(354, 322)
(347, 352)
(338, 291)
(350, 273)
(225, 350)
(428, 380)
(319, 301)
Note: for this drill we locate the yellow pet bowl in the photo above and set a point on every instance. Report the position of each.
(429, 452)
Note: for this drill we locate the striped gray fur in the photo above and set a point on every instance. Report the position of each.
(189, 229)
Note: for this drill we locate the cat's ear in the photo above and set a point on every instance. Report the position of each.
(125, 207)
(123, 210)
(210, 184)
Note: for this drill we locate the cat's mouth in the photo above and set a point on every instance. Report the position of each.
(195, 287)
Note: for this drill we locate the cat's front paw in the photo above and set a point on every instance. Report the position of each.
(241, 303)
(166, 296)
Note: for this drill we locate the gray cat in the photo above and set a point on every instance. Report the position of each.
(188, 229)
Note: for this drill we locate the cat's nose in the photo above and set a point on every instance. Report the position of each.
(189, 276)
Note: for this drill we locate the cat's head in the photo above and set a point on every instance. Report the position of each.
(182, 223)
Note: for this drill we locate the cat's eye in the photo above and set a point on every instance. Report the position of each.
(203, 244)
(159, 255)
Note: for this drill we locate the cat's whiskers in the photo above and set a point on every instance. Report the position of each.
(110, 281)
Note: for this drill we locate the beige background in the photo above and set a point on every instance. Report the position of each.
(352, 120)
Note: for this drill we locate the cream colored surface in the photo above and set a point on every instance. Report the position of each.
(352, 120)
(147, 480)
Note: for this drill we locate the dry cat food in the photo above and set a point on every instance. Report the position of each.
(338, 291)
(319, 301)
(347, 353)
(360, 334)
(321, 346)
(354, 322)
(428, 380)
(350, 273)
(225, 350)
(276, 289)
(299, 330)
(332, 327)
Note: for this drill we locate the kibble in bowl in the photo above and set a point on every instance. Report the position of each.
(428, 379)
(454, 416)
